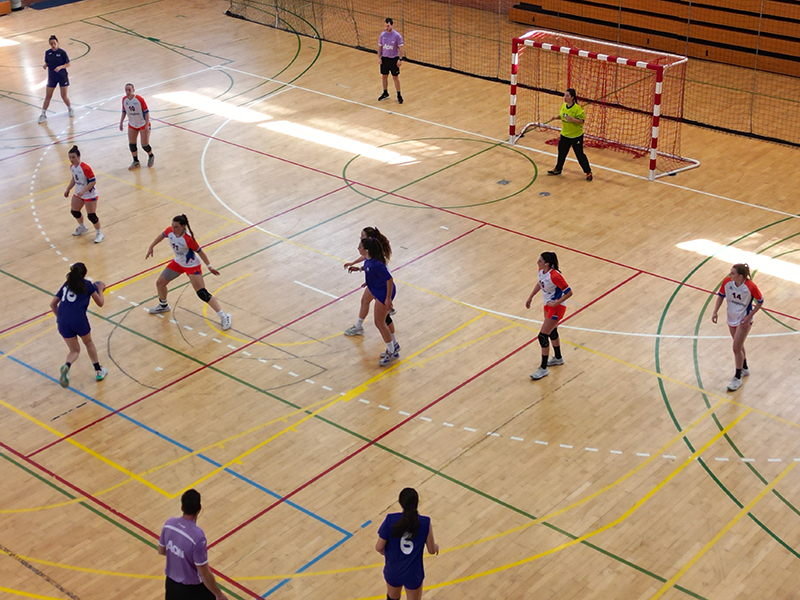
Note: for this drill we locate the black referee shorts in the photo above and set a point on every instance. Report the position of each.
(181, 591)
(389, 65)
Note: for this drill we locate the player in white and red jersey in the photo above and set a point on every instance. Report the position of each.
(555, 292)
(135, 108)
(187, 260)
(740, 292)
(83, 181)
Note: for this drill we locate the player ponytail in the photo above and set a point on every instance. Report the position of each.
(183, 221)
(52, 37)
(742, 269)
(374, 248)
(74, 150)
(551, 259)
(409, 522)
(372, 232)
(75, 278)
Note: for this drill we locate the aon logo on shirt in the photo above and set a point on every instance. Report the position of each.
(175, 550)
(406, 545)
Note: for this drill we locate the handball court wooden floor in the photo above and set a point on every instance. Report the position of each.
(628, 473)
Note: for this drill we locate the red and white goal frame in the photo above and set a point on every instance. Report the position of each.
(609, 60)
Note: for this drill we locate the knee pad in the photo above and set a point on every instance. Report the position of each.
(92, 217)
(132, 147)
(75, 213)
(544, 341)
(147, 148)
(203, 295)
(554, 334)
(388, 320)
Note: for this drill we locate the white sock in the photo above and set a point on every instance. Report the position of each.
(394, 339)
(359, 322)
(220, 313)
(390, 347)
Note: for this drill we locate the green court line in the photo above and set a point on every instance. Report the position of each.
(100, 514)
(363, 438)
(665, 397)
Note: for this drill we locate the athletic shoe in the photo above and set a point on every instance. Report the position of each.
(71, 112)
(735, 384)
(589, 177)
(159, 308)
(101, 374)
(554, 362)
(539, 373)
(386, 358)
(553, 172)
(396, 352)
(745, 372)
(64, 378)
(134, 165)
(80, 230)
(42, 118)
(225, 321)
(399, 97)
(354, 330)
(383, 96)
(151, 160)
(99, 236)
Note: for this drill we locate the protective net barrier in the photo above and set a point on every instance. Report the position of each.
(633, 97)
(758, 39)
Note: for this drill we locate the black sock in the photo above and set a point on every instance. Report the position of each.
(385, 91)
(557, 351)
(96, 366)
(544, 361)
(744, 364)
(738, 374)
(69, 364)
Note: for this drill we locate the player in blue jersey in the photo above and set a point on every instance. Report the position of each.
(402, 538)
(381, 285)
(69, 306)
(366, 297)
(56, 63)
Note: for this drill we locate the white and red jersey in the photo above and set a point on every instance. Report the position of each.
(83, 175)
(136, 109)
(553, 285)
(740, 299)
(185, 248)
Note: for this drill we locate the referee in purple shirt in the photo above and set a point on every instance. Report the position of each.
(184, 544)
(390, 53)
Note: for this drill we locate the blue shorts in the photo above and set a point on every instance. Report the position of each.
(380, 295)
(70, 329)
(55, 79)
(411, 583)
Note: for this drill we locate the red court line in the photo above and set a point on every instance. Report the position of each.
(113, 511)
(458, 214)
(161, 264)
(406, 420)
(231, 353)
(68, 138)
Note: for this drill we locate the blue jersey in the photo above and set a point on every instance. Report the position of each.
(377, 276)
(55, 58)
(72, 308)
(404, 554)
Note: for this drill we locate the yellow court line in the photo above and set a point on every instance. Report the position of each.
(332, 401)
(171, 199)
(27, 594)
(745, 509)
(591, 534)
(39, 201)
(48, 563)
(49, 315)
(23, 175)
(89, 451)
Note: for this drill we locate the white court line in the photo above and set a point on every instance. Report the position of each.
(505, 142)
(315, 289)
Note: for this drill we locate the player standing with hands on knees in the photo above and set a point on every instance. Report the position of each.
(184, 544)
(135, 108)
(390, 54)
(555, 291)
(740, 291)
(402, 538)
(572, 118)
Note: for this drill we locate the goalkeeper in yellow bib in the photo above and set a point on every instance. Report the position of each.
(572, 117)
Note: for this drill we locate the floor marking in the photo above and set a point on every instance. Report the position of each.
(446, 424)
(643, 454)
(588, 449)
(493, 434)
(203, 333)
(540, 442)
(517, 439)
(280, 368)
(246, 353)
(311, 381)
(426, 419)
(216, 340)
(384, 407)
(159, 369)
(327, 389)
(232, 347)
(316, 290)
(615, 451)
(363, 401)
(293, 374)
(187, 327)
(566, 446)
(262, 360)
(470, 429)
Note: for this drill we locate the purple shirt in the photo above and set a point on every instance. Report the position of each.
(390, 41)
(186, 550)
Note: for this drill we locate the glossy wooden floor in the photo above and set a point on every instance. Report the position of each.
(628, 473)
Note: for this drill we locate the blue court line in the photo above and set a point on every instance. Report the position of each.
(308, 564)
(185, 447)
(367, 523)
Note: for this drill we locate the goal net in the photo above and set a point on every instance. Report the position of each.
(633, 97)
